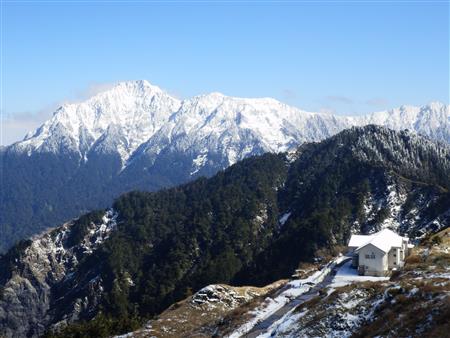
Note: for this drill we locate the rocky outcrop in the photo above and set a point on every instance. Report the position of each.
(30, 289)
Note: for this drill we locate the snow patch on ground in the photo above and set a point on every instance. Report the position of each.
(100, 232)
(284, 218)
(395, 201)
(338, 319)
(198, 163)
(347, 275)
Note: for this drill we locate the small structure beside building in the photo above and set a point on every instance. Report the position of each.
(379, 253)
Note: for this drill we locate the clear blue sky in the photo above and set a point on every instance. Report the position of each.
(347, 57)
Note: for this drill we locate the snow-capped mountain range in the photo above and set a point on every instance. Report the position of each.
(135, 118)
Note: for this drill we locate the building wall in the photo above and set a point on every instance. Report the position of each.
(394, 258)
(404, 252)
(374, 260)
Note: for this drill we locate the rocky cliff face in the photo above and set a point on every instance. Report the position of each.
(32, 276)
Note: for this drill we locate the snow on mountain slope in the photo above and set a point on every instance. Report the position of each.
(135, 118)
(432, 120)
(234, 128)
(122, 118)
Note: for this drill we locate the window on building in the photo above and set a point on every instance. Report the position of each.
(371, 256)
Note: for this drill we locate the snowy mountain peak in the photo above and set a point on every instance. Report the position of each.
(122, 90)
(137, 109)
(436, 105)
(432, 120)
(212, 96)
(215, 99)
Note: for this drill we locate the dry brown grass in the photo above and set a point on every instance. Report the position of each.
(440, 238)
(328, 254)
(183, 319)
(395, 275)
(413, 259)
(404, 315)
(233, 319)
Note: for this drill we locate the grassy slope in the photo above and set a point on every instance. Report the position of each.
(193, 317)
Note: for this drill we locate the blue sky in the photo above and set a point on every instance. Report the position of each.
(345, 57)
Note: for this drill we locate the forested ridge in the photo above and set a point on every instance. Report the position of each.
(228, 229)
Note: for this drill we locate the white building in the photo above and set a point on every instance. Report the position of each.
(379, 253)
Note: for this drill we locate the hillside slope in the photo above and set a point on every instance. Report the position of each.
(415, 302)
(250, 224)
